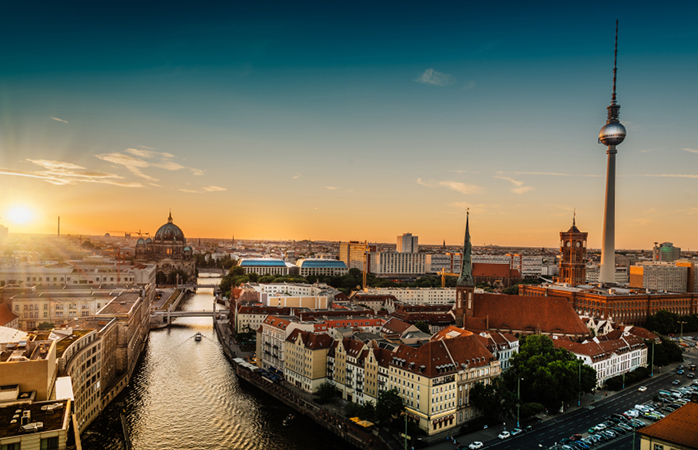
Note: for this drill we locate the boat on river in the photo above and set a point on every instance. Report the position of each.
(198, 336)
(287, 421)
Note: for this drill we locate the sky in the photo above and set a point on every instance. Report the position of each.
(347, 120)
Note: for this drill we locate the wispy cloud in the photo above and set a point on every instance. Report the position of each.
(552, 174)
(519, 187)
(296, 176)
(469, 85)
(214, 189)
(691, 150)
(690, 211)
(135, 160)
(457, 186)
(147, 148)
(435, 78)
(189, 191)
(64, 173)
(59, 120)
(332, 188)
(197, 172)
(668, 175)
(148, 153)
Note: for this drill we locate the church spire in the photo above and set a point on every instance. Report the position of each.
(466, 268)
(169, 219)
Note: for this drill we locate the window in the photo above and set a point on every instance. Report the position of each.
(14, 446)
(658, 447)
(49, 443)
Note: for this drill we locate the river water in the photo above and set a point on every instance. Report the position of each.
(185, 395)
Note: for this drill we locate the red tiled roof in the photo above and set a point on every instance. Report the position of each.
(444, 357)
(6, 314)
(312, 341)
(395, 326)
(527, 313)
(679, 427)
(277, 322)
(450, 332)
(491, 270)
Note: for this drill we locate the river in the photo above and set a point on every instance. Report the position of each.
(185, 395)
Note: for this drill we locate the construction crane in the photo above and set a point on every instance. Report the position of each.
(445, 274)
(128, 234)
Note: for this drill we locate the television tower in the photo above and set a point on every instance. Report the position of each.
(612, 134)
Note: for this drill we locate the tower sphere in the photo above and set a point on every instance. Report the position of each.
(612, 134)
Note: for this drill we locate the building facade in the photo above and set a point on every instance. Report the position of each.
(407, 243)
(573, 247)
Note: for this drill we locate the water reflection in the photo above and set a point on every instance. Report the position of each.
(184, 394)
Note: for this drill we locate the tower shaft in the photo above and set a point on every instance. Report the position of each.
(607, 269)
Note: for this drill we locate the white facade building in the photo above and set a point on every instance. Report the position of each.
(660, 276)
(387, 264)
(417, 296)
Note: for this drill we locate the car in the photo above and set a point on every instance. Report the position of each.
(690, 375)
(675, 382)
(516, 431)
(504, 435)
(600, 427)
(576, 437)
(592, 430)
(565, 441)
(642, 388)
(475, 445)
(679, 372)
(528, 428)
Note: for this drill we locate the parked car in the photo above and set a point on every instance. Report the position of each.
(504, 435)
(676, 382)
(476, 445)
(516, 431)
(642, 388)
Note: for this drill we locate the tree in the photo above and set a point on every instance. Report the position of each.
(389, 405)
(423, 326)
(326, 392)
(548, 375)
(663, 322)
(487, 399)
(254, 277)
(46, 326)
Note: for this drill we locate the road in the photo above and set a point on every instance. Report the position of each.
(580, 420)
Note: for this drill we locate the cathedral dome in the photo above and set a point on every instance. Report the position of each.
(169, 232)
(140, 242)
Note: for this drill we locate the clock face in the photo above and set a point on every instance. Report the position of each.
(578, 244)
(569, 243)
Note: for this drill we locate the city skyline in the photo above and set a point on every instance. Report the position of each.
(289, 122)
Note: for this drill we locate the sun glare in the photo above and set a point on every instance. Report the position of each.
(19, 215)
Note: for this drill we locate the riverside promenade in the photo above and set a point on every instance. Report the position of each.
(328, 416)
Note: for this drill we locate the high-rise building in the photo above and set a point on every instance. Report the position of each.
(407, 243)
(354, 253)
(665, 252)
(659, 276)
(573, 246)
(611, 135)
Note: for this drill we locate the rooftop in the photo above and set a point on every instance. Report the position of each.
(679, 427)
(52, 415)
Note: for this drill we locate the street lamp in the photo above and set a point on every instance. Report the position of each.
(518, 400)
(681, 322)
(579, 389)
(652, 373)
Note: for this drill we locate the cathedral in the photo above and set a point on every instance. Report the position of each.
(168, 250)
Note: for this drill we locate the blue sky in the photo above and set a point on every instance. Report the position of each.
(348, 121)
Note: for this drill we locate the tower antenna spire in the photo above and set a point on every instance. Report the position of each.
(615, 66)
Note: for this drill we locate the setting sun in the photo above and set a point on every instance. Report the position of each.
(20, 215)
